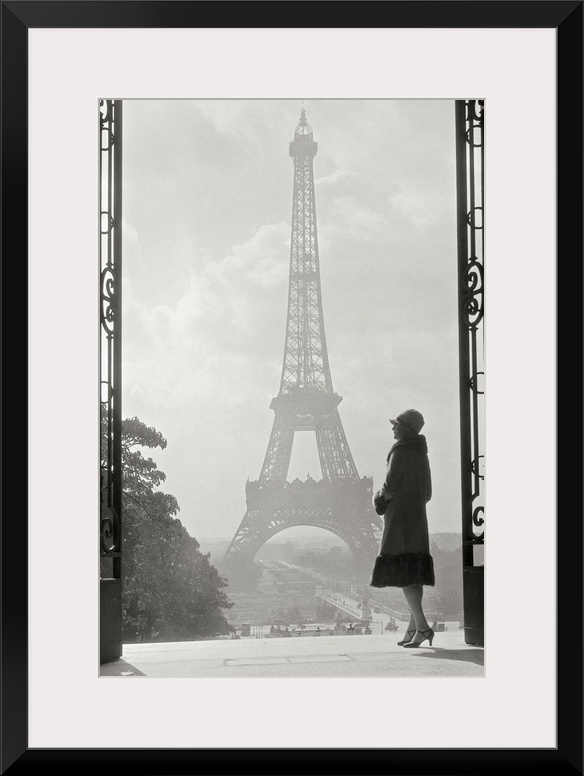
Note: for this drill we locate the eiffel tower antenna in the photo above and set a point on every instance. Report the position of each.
(341, 501)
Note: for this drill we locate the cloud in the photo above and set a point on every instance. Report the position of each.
(208, 345)
(356, 220)
(260, 262)
(340, 181)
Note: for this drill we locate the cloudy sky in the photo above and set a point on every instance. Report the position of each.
(207, 209)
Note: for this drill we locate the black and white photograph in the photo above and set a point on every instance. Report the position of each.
(294, 301)
(292, 388)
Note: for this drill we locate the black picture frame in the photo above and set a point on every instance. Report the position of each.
(18, 16)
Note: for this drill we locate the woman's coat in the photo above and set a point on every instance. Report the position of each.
(404, 554)
(408, 488)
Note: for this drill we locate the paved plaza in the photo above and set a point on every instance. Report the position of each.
(314, 656)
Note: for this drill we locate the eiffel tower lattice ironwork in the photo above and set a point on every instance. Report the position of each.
(341, 501)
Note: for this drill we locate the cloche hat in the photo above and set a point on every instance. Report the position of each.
(410, 418)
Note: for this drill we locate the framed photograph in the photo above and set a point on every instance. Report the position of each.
(524, 60)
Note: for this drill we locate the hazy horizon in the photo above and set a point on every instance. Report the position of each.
(292, 534)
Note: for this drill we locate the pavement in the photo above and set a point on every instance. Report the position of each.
(311, 656)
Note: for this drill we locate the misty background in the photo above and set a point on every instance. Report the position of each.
(207, 187)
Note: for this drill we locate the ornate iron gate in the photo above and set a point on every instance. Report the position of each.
(110, 251)
(470, 220)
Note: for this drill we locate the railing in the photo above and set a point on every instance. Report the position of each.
(316, 631)
(110, 197)
(470, 141)
(110, 475)
(470, 184)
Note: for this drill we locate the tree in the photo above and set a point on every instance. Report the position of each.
(170, 590)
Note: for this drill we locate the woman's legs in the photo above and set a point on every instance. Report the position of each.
(413, 595)
(410, 631)
(412, 622)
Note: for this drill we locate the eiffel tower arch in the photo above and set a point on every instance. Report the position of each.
(341, 501)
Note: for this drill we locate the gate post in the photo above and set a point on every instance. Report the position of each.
(469, 117)
(110, 475)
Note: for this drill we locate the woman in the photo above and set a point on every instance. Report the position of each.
(404, 558)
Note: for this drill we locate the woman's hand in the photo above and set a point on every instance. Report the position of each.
(380, 502)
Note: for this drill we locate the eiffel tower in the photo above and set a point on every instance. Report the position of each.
(341, 501)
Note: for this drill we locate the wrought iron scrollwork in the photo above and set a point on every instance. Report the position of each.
(107, 299)
(110, 126)
(476, 383)
(473, 295)
(470, 116)
(106, 116)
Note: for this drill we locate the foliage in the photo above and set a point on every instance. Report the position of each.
(170, 589)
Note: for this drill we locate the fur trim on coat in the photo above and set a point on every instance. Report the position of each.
(403, 570)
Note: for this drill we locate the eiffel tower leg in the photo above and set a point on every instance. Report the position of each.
(277, 460)
(247, 530)
(335, 456)
(274, 471)
(257, 527)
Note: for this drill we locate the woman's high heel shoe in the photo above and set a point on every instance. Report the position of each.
(427, 634)
(407, 638)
